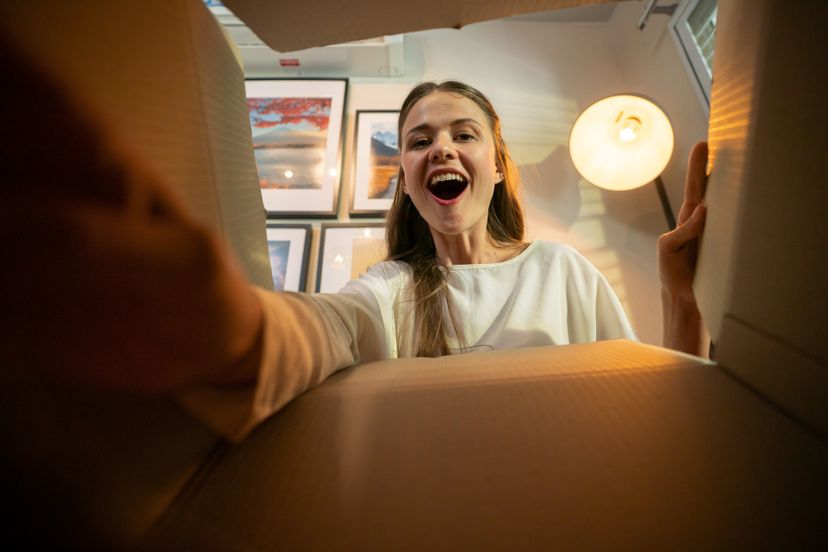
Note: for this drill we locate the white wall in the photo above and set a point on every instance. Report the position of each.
(540, 75)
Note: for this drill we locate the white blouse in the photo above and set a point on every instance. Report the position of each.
(547, 295)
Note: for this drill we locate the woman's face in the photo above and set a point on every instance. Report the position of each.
(448, 160)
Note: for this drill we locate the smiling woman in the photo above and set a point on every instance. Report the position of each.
(457, 203)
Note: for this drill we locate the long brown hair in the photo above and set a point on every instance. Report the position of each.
(409, 237)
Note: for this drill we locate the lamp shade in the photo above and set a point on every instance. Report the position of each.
(621, 142)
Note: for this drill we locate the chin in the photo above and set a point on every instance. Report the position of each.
(451, 230)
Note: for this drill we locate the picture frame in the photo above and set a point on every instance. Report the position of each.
(346, 250)
(297, 127)
(289, 252)
(376, 162)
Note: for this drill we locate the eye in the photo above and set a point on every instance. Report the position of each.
(420, 143)
(465, 137)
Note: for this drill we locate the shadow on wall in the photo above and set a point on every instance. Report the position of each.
(651, 224)
(616, 231)
(635, 220)
(551, 188)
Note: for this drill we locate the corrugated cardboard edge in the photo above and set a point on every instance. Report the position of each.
(287, 27)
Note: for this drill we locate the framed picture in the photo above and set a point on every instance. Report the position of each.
(377, 162)
(289, 248)
(346, 251)
(297, 141)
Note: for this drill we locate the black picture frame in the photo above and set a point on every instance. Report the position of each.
(289, 247)
(298, 130)
(376, 162)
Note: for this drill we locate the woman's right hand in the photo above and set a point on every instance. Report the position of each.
(108, 281)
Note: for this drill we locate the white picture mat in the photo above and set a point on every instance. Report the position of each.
(337, 254)
(297, 238)
(323, 199)
(362, 149)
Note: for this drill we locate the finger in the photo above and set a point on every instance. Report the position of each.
(685, 233)
(695, 182)
(48, 143)
(92, 283)
(56, 148)
(83, 240)
(148, 193)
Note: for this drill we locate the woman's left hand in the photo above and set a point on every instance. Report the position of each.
(678, 249)
(677, 256)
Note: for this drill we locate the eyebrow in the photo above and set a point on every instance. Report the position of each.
(455, 122)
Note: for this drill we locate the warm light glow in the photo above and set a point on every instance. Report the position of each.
(332, 172)
(288, 174)
(629, 129)
(621, 142)
(366, 233)
(339, 259)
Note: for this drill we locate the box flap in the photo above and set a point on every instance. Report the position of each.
(287, 27)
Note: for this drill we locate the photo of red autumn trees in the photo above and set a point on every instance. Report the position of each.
(290, 136)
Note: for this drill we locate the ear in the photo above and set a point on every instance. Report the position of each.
(498, 172)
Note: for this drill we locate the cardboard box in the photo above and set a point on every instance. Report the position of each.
(610, 445)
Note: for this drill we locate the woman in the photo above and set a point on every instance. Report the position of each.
(459, 276)
(465, 277)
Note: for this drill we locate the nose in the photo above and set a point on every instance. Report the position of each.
(442, 148)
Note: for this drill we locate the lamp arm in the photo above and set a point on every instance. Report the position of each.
(665, 203)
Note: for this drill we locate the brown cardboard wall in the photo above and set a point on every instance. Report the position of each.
(603, 446)
(763, 269)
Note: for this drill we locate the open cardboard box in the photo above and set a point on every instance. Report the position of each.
(607, 445)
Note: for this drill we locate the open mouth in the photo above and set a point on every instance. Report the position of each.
(447, 186)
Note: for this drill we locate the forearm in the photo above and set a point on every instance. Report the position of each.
(303, 340)
(244, 368)
(683, 327)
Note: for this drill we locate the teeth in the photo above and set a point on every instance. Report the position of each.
(446, 176)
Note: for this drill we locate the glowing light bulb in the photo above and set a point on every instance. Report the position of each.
(332, 172)
(629, 129)
(288, 173)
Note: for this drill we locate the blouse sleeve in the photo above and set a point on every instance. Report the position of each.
(611, 320)
(306, 339)
(595, 312)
